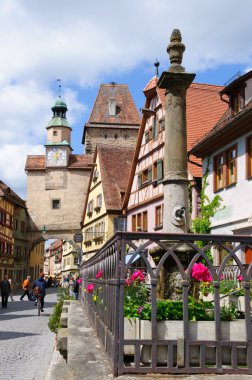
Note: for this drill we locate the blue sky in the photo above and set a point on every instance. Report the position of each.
(88, 43)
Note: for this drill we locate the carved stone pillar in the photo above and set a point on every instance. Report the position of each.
(175, 183)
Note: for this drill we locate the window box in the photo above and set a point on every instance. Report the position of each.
(89, 213)
(97, 208)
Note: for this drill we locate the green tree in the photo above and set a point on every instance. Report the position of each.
(202, 224)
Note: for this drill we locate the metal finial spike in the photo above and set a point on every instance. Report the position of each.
(156, 64)
(59, 81)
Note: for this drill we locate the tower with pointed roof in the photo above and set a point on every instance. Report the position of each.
(57, 181)
(114, 119)
(58, 146)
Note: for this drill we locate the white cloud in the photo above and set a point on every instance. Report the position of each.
(12, 164)
(81, 41)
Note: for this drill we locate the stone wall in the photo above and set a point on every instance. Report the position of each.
(126, 136)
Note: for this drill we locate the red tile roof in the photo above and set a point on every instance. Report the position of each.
(76, 161)
(127, 113)
(115, 163)
(151, 85)
(10, 195)
(222, 130)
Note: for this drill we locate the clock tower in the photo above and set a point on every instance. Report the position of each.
(58, 146)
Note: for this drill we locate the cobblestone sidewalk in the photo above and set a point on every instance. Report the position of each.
(26, 343)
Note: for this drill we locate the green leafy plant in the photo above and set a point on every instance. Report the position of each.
(202, 224)
(54, 320)
(228, 312)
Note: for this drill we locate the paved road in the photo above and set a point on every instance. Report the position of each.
(26, 343)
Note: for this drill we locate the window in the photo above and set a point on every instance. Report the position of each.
(90, 208)
(76, 260)
(56, 204)
(225, 169)
(22, 226)
(249, 158)
(145, 176)
(139, 222)
(15, 224)
(154, 129)
(133, 222)
(99, 200)
(159, 216)
(236, 102)
(231, 166)
(219, 172)
(160, 173)
(2, 247)
(55, 133)
(2, 217)
(146, 137)
(145, 221)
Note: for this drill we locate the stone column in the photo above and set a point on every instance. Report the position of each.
(175, 183)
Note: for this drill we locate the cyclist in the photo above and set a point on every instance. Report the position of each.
(40, 285)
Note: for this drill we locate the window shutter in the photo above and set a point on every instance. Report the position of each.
(146, 137)
(150, 174)
(154, 130)
(139, 181)
(116, 224)
(159, 170)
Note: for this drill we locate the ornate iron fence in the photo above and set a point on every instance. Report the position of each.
(143, 346)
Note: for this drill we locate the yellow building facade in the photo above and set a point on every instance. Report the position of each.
(6, 237)
(103, 209)
(69, 261)
(36, 264)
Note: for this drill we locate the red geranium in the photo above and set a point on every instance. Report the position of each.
(90, 288)
(137, 275)
(99, 274)
(201, 273)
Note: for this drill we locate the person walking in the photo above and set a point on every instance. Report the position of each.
(10, 295)
(77, 287)
(41, 284)
(26, 288)
(5, 291)
(71, 285)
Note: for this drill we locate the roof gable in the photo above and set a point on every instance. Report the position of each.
(126, 111)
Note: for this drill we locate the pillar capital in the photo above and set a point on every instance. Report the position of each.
(173, 81)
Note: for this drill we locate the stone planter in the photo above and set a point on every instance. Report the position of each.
(174, 330)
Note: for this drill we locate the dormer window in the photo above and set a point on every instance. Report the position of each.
(236, 105)
(112, 107)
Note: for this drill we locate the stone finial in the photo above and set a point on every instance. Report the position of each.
(175, 49)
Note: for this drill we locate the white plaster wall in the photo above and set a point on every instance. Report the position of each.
(237, 199)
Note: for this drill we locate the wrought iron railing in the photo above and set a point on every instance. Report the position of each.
(223, 349)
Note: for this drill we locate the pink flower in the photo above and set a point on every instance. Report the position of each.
(240, 278)
(79, 280)
(201, 273)
(90, 288)
(140, 309)
(137, 275)
(127, 282)
(99, 274)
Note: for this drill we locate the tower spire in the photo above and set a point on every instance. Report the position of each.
(59, 87)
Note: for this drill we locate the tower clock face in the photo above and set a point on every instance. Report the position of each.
(56, 157)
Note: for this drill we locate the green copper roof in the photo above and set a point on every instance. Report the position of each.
(59, 103)
(58, 121)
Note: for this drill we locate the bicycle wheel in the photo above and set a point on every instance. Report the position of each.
(39, 306)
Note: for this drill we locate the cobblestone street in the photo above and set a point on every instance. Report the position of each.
(26, 343)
